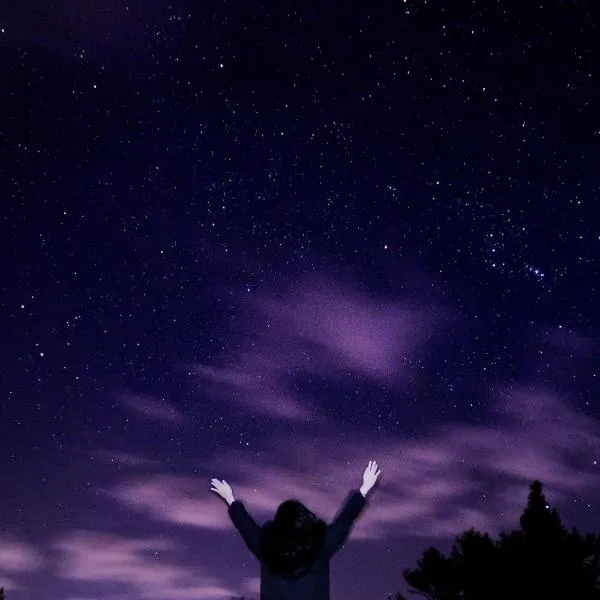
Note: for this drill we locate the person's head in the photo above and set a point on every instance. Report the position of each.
(293, 539)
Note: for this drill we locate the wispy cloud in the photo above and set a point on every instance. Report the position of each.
(182, 500)
(8, 584)
(437, 484)
(118, 457)
(152, 408)
(317, 327)
(17, 560)
(18, 557)
(144, 567)
(571, 341)
(434, 484)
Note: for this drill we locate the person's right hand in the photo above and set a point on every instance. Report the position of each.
(370, 475)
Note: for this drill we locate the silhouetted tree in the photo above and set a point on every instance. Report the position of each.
(433, 576)
(541, 561)
(2, 593)
(474, 560)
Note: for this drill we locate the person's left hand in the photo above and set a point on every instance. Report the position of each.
(223, 489)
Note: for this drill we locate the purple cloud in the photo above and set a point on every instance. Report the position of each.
(152, 409)
(347, 330)
(435, 485)
(116, 457)
(316, 328)
(175, 499)
(131, 562)
(572, 342)
(8, 584)
(18, 557)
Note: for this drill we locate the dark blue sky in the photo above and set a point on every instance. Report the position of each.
(268, 243)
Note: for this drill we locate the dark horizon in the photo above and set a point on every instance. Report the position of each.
(270, 243)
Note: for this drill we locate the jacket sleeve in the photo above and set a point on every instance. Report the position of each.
(338, 531)
(246, 525)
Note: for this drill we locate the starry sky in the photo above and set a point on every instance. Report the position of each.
(268, 242)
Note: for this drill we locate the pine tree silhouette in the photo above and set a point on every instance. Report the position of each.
(540, 561)
(540, 522)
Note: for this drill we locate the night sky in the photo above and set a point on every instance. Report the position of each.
(269, 242)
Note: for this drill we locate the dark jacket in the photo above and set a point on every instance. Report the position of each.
(314, 583)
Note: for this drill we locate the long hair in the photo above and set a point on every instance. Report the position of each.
(291, 543)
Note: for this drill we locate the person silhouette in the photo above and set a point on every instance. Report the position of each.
(295, 548)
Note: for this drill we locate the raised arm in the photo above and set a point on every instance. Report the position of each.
(340, 528)
(238, 514)
(246, 525)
